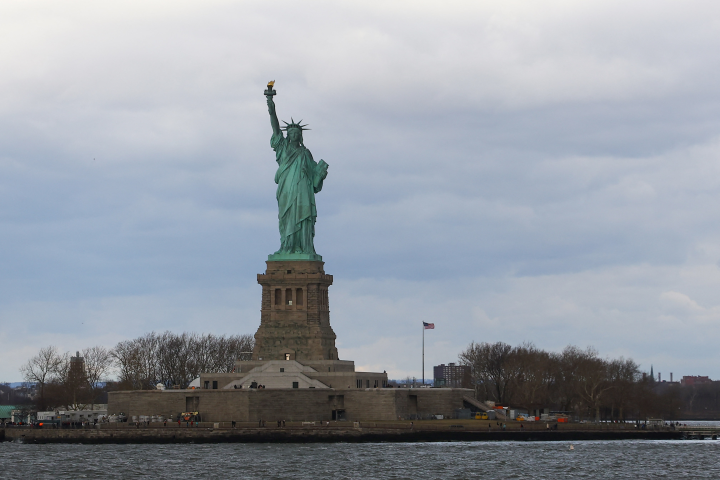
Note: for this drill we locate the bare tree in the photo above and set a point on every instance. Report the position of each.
(564, 371)
(580, 381)
(592, 379)
(135, 362)
(237, 347)
(177, 359)
(98, 361)
(41, 369)
(534, 377)
(623, 375)
(493, 369)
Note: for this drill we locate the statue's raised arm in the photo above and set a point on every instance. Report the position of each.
(269, 93)
(298, 179)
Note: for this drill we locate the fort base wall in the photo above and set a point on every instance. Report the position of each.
(252, 405)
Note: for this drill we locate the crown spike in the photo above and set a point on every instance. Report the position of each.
(294, 124)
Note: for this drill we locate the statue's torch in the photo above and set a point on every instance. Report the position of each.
(270, 92)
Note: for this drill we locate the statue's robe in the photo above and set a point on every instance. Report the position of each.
(298, 178)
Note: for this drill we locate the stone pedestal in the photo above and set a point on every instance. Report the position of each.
(295, 313)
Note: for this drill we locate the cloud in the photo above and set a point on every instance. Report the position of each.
(681, 300)
(620, 310)
(512, 171)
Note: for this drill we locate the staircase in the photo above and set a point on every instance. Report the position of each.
(484, 407)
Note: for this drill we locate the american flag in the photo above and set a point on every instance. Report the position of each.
(429, 326)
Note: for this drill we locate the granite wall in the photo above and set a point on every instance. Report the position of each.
(248, 405)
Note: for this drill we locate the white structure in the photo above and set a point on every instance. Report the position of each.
(279, 374)
(16, 416)
(72, 415)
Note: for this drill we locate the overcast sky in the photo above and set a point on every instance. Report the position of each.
(511, 171)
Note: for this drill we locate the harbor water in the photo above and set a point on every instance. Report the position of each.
(447, 460)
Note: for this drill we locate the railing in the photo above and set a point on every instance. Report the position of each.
(699, 429)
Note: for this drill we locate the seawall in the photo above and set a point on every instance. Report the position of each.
(318, 434)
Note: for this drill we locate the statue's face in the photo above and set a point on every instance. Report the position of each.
(294, 135)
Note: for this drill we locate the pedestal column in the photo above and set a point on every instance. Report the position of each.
(295, 313)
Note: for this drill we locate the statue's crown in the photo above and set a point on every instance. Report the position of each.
(292, 124)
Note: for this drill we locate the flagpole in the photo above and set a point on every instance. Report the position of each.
(423, 354)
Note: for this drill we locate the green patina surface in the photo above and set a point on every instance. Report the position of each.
(283, 257)
(6, 410)
(298, 179)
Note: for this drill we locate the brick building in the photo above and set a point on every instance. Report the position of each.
(452, 376)
(688, 380)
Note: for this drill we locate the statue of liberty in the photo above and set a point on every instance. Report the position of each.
(298, 179)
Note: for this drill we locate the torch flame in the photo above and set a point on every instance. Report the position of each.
(270, 84)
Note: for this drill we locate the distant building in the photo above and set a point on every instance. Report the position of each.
(77, 367)
(688, 380)
(452, 376)
(16, 395)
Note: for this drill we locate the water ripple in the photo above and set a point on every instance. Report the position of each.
(451, 460)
